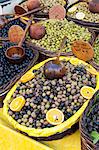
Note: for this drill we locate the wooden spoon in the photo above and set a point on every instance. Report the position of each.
(15, 54)
(5, 21)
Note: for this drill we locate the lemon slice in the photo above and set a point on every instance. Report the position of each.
(27, 77)
(72, 9)
(87, 92)
(92, 70)
(80, 15)
(74, 61)
(17, 103)
(55, 116)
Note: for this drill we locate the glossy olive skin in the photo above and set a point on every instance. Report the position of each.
(53, 70)
(94, 6)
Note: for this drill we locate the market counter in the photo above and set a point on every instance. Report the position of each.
(13, 140)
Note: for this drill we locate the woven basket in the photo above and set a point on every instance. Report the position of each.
(53, 54)
(86, 142)
(56, 136)
(47, 53)
(92, 25)
(57, 132)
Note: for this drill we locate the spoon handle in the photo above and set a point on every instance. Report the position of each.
(63, 43)
(26, 29)
(61, 46)
(28, 13)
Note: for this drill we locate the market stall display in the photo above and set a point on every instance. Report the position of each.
(80, 12)
(11, 73)
(45, 101)
(55, 32)
(89, 124)
(40, 97)
(46, 3)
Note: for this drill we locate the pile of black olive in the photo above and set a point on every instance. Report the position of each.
(42, 94)
(9, 70)
(92, 117)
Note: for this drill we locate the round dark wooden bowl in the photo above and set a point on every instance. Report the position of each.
(15, 54)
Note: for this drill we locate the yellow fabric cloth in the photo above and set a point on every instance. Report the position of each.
(13, 140)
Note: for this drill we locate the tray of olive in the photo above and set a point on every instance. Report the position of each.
(9, 72)
(85, 13)
(49, 99)
(54, 32)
